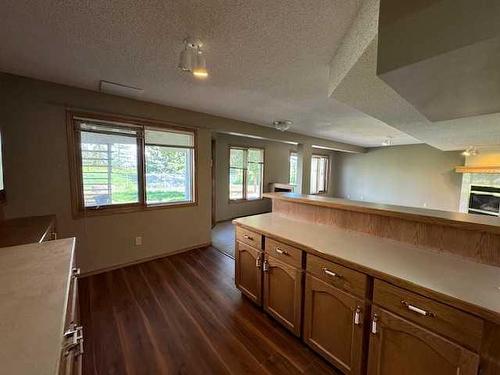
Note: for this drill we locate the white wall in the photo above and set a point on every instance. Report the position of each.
(33, 121)
(414, 175)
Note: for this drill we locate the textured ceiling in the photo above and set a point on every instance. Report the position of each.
(267, 59)
(362, 89)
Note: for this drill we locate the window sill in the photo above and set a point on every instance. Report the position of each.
(109, 210)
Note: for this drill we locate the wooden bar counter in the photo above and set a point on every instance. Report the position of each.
(27, 230)
(377, 289)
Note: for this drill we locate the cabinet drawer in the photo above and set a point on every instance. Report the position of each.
(283, 252)
(249, 237)
(438, 317)
(342, 277)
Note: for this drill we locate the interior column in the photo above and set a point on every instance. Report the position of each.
(304, 154)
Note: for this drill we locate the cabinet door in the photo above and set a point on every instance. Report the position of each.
(283, 293)
(333, 325)
(398, 346)
(248, 275)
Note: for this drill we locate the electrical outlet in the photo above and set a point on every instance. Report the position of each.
(138, 241)
(425, 204)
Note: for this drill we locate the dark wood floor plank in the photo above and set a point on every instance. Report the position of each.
(132, 332)
(257, 326)
(208, 304)
(183, 315)
(236, 356)
(303, 356)
(181, 329)
(99, 329)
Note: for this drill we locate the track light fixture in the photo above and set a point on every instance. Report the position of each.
(192, 59)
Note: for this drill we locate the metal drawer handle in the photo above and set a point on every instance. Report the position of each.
(248, 237)
(330, 273)
(357, 316)
(374, 324)
(257, 262)
(280, 251)
(417, 310)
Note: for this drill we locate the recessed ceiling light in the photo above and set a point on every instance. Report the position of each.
(470, 151)
(282, 125)
(387, 141)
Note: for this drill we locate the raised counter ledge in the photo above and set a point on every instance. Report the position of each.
(34, 285)
(423, 215)
(25, 230)
(459, 282)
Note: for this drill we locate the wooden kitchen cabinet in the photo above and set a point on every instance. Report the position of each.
(72, 350)
(248, 274)
(333, 325)
(398, 346)
(283, 293)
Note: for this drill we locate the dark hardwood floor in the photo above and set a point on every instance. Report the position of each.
(183, 315)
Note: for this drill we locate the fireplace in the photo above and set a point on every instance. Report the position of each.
(484, 200)
(275, 187)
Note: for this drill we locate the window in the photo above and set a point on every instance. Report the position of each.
(130, 164)
(293, 169)
(169, 166)
(319, 174)
(246, 173)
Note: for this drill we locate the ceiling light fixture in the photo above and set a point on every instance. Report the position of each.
(192, 60)
(282, 125)
(387, 141)
(470, 151)
(200, 68)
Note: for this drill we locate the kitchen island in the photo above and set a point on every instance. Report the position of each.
(353, 279)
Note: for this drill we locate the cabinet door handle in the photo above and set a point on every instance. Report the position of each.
(76, 334)
(417, 310)
(330, 273)
(374, 324)
(357, 316)
(257, 262)
(280, 251)
(265, 266)
(248, 237)
(73, 330)
(75, 272)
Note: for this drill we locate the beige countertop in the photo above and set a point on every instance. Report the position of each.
(34, 282)
(424, 215)
(459, 281)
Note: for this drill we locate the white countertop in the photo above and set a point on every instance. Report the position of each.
(449, 275)
(34, 282)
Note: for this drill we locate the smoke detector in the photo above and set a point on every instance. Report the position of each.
(282, 125)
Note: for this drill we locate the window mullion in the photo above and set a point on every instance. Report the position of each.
(141, 162)
(245, 173)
